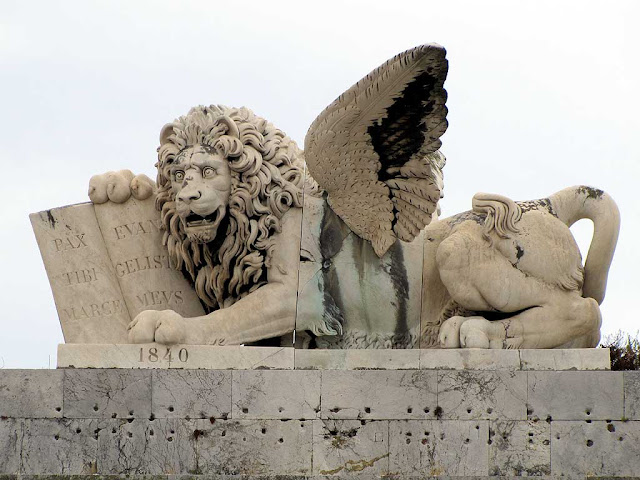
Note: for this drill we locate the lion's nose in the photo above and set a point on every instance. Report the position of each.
(188, 197)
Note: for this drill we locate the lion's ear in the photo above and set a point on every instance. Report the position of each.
(232, 128)
(166, 132)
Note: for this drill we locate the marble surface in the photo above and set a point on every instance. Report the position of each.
(208, 433)
(154, 356)
(87, 294)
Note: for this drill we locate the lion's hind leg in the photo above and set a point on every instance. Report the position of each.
(566, 320)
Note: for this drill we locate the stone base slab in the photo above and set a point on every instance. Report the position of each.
(152, 355)
(319, 423)
(287, 358)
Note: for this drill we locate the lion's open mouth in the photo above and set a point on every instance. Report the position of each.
(195, 220)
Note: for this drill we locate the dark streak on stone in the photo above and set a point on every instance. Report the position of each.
(51, 219)
(590, 192)
(332, 234)
(543, 204)
(466, 216)
(398, 276)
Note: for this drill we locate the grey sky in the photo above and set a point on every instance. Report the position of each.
(542, 95)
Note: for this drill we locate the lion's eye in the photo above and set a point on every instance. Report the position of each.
(179, 175)
(208, 172)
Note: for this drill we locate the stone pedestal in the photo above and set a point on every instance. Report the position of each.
(326, 415)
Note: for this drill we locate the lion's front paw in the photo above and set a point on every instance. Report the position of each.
(449, 336)
(170, 328)
(142, 328)
(478, 332)
(119, 186)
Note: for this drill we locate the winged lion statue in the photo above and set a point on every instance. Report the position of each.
(342, 244)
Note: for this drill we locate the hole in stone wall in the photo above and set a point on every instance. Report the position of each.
(281, 440)
(58, 409)
(466, 440)
(151, 432)
(280, 409)
(408, 441)
(588, 412)
(170, 408)
(367, 409)
(589, 443)
(78, 430)
(409, 410)
(57, 437)
(130, 435)
(264, 430)
(224, 433)
(489, 410)
(245, 410)
(426, 410)
(95, 408)
(611, 428)
(468, 410)
(130, 412)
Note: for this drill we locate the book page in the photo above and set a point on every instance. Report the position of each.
(85, 287)
(133, 238)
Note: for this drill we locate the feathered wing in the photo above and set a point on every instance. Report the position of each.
(374, 150)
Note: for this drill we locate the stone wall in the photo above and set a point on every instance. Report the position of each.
(320, 422)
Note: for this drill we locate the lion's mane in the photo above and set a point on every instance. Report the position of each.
(267, 179)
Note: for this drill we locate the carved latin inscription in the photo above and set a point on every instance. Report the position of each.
(137, 228)
(139, 264)
(133, 236)
(87, 294)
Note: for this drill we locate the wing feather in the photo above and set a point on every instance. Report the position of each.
(374, 149)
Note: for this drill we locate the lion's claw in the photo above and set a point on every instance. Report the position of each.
(119, 186)
(142, 328)
(170, 328)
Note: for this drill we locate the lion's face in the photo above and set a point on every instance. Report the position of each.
(201, 184)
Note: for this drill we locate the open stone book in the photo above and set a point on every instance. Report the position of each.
(106, 263)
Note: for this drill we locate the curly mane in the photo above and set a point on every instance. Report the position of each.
(267, 170)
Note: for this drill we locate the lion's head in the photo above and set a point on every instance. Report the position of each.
(225, 179)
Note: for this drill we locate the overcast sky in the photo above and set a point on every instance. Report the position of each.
(542, 95)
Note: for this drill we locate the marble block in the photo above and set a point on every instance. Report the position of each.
(161, 446)
(357, 359)
(59, 446)
(632, 395)
(519, 448)
(566, 359)
(154, 355)
(378, 394)
(30, 394)
(467, 395)
(428, 448)
(575, 395)
(271, 394)
(191, 393)
(469, 359)
(107, 393)
(598, 448)
(10, 445)
(254, 447)
(350, 448)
